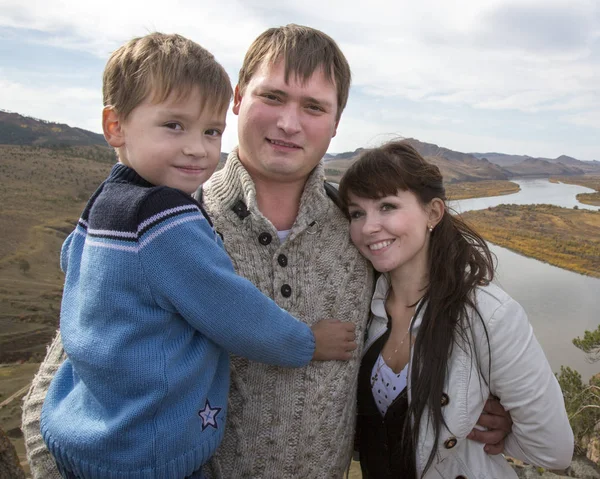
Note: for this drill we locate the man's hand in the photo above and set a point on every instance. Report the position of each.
(499, 424)
(334, 340)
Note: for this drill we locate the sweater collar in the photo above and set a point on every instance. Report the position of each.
(123, 173)
(233, 184)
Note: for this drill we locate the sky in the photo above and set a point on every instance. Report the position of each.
(510, 76)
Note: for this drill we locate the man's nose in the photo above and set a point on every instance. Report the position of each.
(289, 119)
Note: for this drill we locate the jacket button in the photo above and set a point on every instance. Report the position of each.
(286, 291)
(445, 399)
(282, 260)
(265, 239)
(450, 443)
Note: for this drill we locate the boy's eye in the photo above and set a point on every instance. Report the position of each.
(213, 132)
(173, 125)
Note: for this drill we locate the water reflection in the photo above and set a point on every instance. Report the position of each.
(533, 191)
(560, 304)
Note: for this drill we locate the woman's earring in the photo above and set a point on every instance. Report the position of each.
(430, 228)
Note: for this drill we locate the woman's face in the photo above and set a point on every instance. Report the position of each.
(391, 232)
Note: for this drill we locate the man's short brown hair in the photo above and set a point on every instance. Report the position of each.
(159, 64)
(304, 50)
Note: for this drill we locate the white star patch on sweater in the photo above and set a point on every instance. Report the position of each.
(209, 416)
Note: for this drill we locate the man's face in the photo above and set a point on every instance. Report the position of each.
(284, 128)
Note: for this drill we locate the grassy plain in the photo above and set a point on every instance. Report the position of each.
(564, 237)
(589, 181)
(42, 194)
(478, 189)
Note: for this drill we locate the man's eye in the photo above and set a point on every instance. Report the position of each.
(213, 132)
(271, 97)
(315, 108)
(173, 125)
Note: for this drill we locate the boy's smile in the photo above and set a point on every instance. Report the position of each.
(175, 143)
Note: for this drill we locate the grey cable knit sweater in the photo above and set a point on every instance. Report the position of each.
(282, 423)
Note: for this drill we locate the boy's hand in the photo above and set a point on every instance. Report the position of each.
(334, 340)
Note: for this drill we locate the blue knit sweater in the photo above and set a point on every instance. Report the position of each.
(151, 307)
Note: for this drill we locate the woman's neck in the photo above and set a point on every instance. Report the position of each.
(407, 287)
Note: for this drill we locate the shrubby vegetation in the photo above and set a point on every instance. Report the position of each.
(583, 400)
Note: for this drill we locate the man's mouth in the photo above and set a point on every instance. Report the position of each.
(286, 144)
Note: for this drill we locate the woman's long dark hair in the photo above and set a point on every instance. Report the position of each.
(459, 260)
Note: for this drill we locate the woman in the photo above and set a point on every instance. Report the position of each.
(442, 337)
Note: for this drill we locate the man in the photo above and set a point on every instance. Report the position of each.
(285, 235)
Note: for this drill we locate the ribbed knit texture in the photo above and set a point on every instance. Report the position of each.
(151, 305)
(286, 423)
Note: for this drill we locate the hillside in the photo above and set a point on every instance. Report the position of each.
(454, 165)
(506, 161)
(17, 129)
(539, 167)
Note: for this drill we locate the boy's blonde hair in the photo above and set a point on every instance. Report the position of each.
(304, 50)
(158, 64)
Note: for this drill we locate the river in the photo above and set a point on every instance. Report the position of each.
(560, 304)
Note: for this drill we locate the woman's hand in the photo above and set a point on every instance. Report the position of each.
(498, 423)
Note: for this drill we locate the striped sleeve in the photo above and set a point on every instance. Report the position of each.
(190, 272)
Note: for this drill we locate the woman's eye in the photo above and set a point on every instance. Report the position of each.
(388, 207)
(355, 215)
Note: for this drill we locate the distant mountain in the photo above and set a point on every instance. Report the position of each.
(504, 160)
(539, 167)
(16, 129)
(455, 166)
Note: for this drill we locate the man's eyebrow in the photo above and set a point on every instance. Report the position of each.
(325, 103)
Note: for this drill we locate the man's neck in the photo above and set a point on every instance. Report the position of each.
(279, 202)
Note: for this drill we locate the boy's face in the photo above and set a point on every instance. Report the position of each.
(174, 143)
(284, 129)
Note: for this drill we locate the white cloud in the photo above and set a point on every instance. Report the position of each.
(499, 57)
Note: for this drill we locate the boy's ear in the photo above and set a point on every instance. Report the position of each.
(237, 100)
(112, 127)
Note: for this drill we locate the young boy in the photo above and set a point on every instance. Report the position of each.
(151, 304)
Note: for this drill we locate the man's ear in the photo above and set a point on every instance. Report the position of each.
(112, 127)
(237, 100)
(436, 211)
(335, 127)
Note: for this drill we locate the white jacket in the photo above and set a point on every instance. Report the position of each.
(520, 376)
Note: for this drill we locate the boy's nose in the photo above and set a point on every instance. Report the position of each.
(289, 120)
(195, 148)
